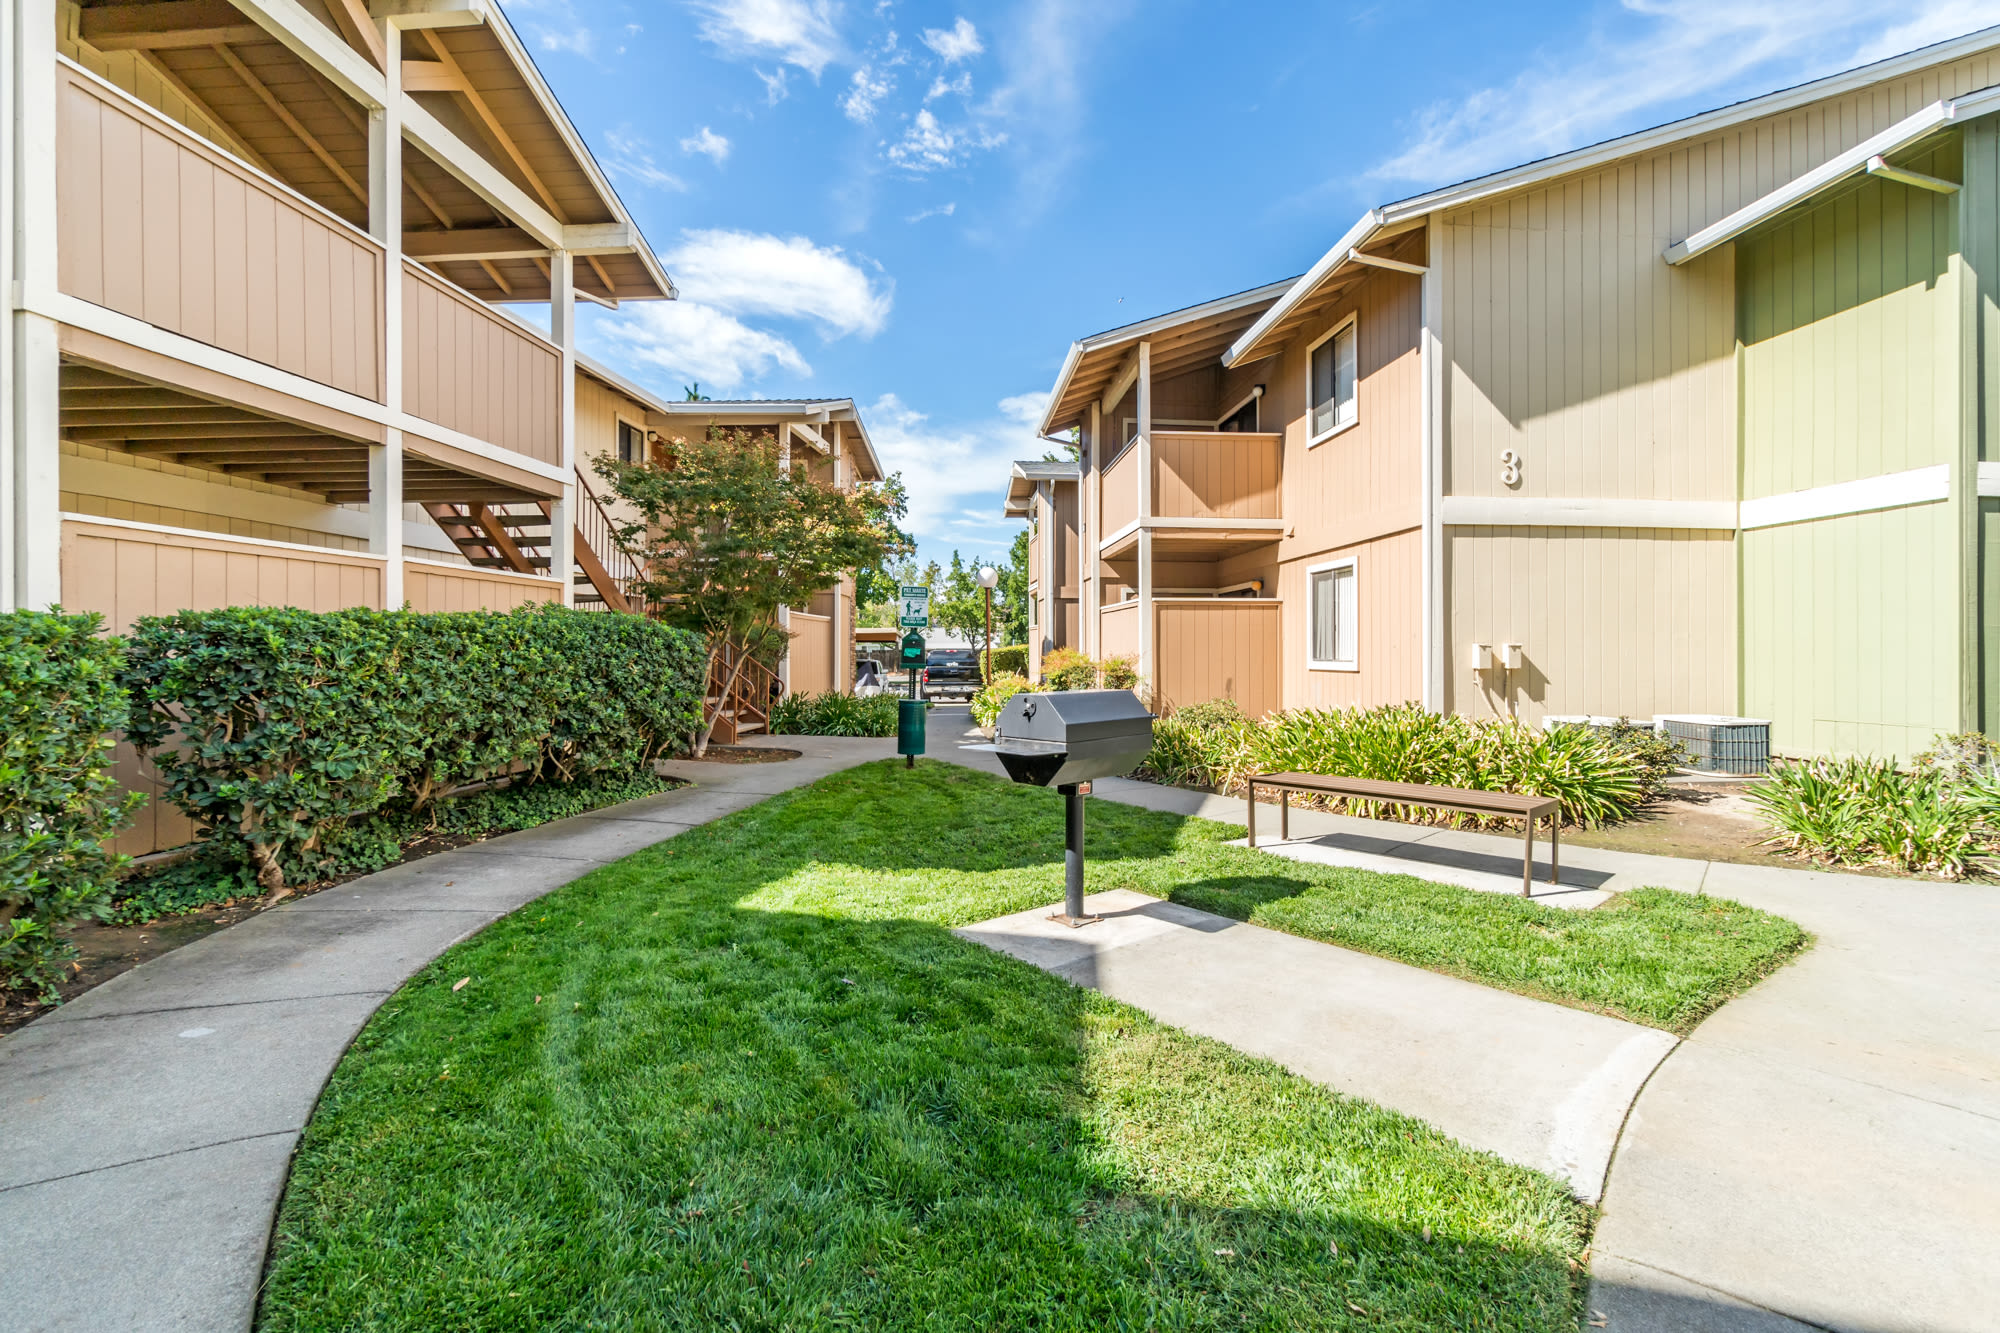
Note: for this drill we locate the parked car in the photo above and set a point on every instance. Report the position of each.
(952, 671)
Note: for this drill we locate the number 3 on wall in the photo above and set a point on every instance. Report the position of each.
(1510, 468)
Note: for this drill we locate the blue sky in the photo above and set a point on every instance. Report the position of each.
(919, 205)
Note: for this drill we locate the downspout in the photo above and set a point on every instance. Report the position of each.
(1431, 352)
(1147, 655)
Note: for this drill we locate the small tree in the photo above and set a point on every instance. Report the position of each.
(959, 604)
(1014, 590)
(729, 536)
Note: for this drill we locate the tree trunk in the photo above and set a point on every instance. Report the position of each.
(728, 688)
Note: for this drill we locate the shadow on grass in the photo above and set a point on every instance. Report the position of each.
(748, 1079)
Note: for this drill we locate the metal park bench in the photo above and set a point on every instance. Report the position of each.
(1506, 804)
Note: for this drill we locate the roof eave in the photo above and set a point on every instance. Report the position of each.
(1308, 283)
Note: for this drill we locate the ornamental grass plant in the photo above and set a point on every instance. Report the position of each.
(1939, 817)
(834, 714)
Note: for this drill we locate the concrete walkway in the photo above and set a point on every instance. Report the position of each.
(146, 1128)
(1536, 1083)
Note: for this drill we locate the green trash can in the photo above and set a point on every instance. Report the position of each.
(910, 729)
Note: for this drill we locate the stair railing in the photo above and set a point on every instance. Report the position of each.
(749, 699)
(598, 531)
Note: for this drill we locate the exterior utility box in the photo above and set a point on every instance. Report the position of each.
(1072, 736)
(1717, 744)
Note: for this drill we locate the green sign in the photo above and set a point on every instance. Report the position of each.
(913, 649)
(916, 609)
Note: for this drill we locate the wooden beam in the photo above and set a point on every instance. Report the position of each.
(432, 76)
(506, 287)
(470, 243)
(600, 577)
(231, 139)
(359, 120)
(351, 16)
(610, 287)
(173, 25)
(173, 436)
(492, 124)
(141, 417)
(291, 122)
(497, 537)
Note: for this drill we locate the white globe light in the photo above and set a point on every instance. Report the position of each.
(988, 577)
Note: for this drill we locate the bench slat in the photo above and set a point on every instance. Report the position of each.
(1413, 793)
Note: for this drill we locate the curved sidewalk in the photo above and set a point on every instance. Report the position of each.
(147, 1127)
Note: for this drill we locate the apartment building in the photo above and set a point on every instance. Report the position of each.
(1045, 493)
(1694, 420)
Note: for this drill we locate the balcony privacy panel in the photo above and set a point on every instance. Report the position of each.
(812, 654)
(1215, 474)
(471, 369)
(1218, 648)
(436, 586)
(158, 225)
(1121, 493)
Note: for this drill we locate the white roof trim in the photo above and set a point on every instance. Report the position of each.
(1831, 172)
(1158, 323)
(1611, 150)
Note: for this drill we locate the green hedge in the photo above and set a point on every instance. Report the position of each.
(59, 704)
(986, 704)
(281, 730)
(834, 714)
(1010, 660)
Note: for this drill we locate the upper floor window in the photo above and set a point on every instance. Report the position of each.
(1332, 394)
(631, 443)
(1332, 611)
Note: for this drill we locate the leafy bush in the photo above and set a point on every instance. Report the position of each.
(986, 704)
(1068, 669)
(1937, 818)
(278, 729)
(59, 702)
(1119, 673)
(1011, 660)
(1212, 713)
(834, 714)
(1594, 777)
(212, 876)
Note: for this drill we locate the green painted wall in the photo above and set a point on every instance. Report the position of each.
(1979, 227)
(1848, 316)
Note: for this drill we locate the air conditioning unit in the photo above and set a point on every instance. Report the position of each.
(1718, 744)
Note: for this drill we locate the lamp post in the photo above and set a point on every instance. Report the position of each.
(987, 578)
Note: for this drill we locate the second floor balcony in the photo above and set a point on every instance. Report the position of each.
(1203, 486)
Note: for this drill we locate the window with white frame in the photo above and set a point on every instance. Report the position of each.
(1333, 366)
(631, 443)
(1332, 616)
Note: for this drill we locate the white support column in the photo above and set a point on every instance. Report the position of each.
(1147, 647)
(32, 420)
(1431, 365)
(562, 328)
(843, 652)
(385, 224)
(1090, 506)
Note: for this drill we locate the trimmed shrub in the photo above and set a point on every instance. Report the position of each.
(278, 729)
(1068, 669)
(834, 714)
(986, 704)
(59, 703)
(1594, 777)
(1936, 819)
(1212, 713)
(1011, 660)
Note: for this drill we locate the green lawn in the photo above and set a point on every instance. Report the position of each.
(749, 1080)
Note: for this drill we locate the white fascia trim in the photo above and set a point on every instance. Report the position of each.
(1853, 162)
(205, 535)
(1508, 511)
(1923, 485)
(1115, 538)
(1214, 524)
(1988, 480)
(1315, 278)
(82, 314)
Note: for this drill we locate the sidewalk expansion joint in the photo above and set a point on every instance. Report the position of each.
(1727, 1295)
(154, 1157)
(61, 1017)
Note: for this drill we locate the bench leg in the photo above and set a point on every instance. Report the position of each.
(1284, 814)
(1528, 857)
(1555, 846)
(1251, 821)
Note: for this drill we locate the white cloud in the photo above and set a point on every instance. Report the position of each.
(928, 146)
(962, 85)
(555, 26)
(631, 158)
(693, 341)
(941, 211)
(956, 43)
(1026, 409)
(797, 32)
(1649, 59)
(867, 89)
(1040, 100)
(777, 85)
(709, 144)
(756, 273)
(954, 476)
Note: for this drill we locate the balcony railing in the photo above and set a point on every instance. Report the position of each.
(1216, 474)
(469, 368)
(158, 224)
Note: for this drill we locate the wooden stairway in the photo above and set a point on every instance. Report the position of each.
(745, 708)
(517, 537)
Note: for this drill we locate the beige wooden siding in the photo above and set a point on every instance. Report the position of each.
(598, 410)
(1388, 638)
(1366, 481)
(123, 573)
(1216, 475)
(1610, 620)
(1121, 493)
(1118, 631)
(473, 370)
(436, 586)
(1217, 648)
(159, 225)
(1570, 341)
(1067, 538)
(811, 653)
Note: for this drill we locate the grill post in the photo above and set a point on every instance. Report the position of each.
(1072, 795)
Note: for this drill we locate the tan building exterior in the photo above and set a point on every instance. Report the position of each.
(1583, 437)
(1044, 493)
